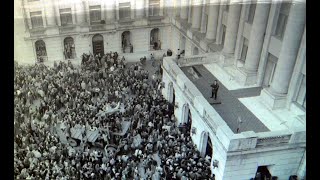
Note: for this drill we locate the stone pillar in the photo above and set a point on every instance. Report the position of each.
(232, 28)
(190, 11)
(196, 14)
(86, 11)
(290, 47)
(50, 8)
(184, 9)
(56, 12)
(212, 21)
(275, 96)
(258, 29)
(139, 9)
(80, 14)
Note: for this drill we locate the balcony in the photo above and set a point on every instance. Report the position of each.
(64, 29)
(125, 21)
(155, 19)
(39, 31)
(97, 27)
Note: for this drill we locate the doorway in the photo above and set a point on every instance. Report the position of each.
(263, 173)
(97, 44)
(126, 42)
(270, 69)
(155, 43)
(41, 51)
(69, 48)
(209, 147)
(223, 34)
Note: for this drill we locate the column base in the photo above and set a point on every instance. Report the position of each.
(204, 45)
(225, 59)
(273, 100)
(246, 78)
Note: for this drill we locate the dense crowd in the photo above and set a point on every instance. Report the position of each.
(49, 101)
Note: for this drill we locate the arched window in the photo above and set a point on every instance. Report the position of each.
(41, 50)
(69, 48)
(126, 42)
(97, 44)
(155, 43)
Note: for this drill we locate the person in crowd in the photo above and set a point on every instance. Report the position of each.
(81, 98)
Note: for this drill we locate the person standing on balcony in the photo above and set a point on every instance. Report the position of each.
(215, 87)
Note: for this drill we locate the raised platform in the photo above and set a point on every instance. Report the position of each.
(230, 108)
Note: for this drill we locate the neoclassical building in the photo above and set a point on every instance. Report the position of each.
(255, 49)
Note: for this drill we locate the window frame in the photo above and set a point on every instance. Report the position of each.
(95, 11)
(283, 16)
(122, 8)
(154, 5)
(251, 13)
(36, 18)
(67, 14)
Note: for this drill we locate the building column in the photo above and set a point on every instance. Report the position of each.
(139, 9)
(258, 29)
(50, 8)
(232, 28)
(80, 14)
(86, 11)
(287, 57)
(56, 12)
(184, 9)
(212, 21)
(196, 14)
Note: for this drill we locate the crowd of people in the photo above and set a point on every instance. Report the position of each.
(50, 101)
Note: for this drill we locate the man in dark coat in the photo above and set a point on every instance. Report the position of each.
(215, 87)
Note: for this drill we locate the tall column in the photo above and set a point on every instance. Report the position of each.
(203, 25)
(196, 14)
(184, 9)
(86, 11)
(190, 11)
(258, 29)
(177, 8)
(212, 20)
(57, 12)
(289, 49)
(139, 9)
(50, 8)
(232, 27)
(80, 14)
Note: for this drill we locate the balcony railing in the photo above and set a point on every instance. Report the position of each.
(97, 27)
(192, 60)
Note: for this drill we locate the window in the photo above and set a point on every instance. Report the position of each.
(65, 16)
(301, 96)
(154, 8)
(282, 20)
(252, 10)
(244, 50)
(36, 19)
(95, 14)
(125, 10)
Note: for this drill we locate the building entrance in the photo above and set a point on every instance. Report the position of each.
(263, 173)
(97, 44)
(209, 148)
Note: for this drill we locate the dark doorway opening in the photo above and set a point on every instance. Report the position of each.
(263, 173)
(189, 120)
(97, 43)
(209, 147)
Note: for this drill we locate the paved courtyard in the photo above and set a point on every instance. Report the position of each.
(230, 108)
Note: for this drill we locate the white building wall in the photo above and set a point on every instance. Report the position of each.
(281, 163)
(54, 47)
(140, 39)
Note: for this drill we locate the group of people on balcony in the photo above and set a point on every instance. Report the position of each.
(52, 100)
